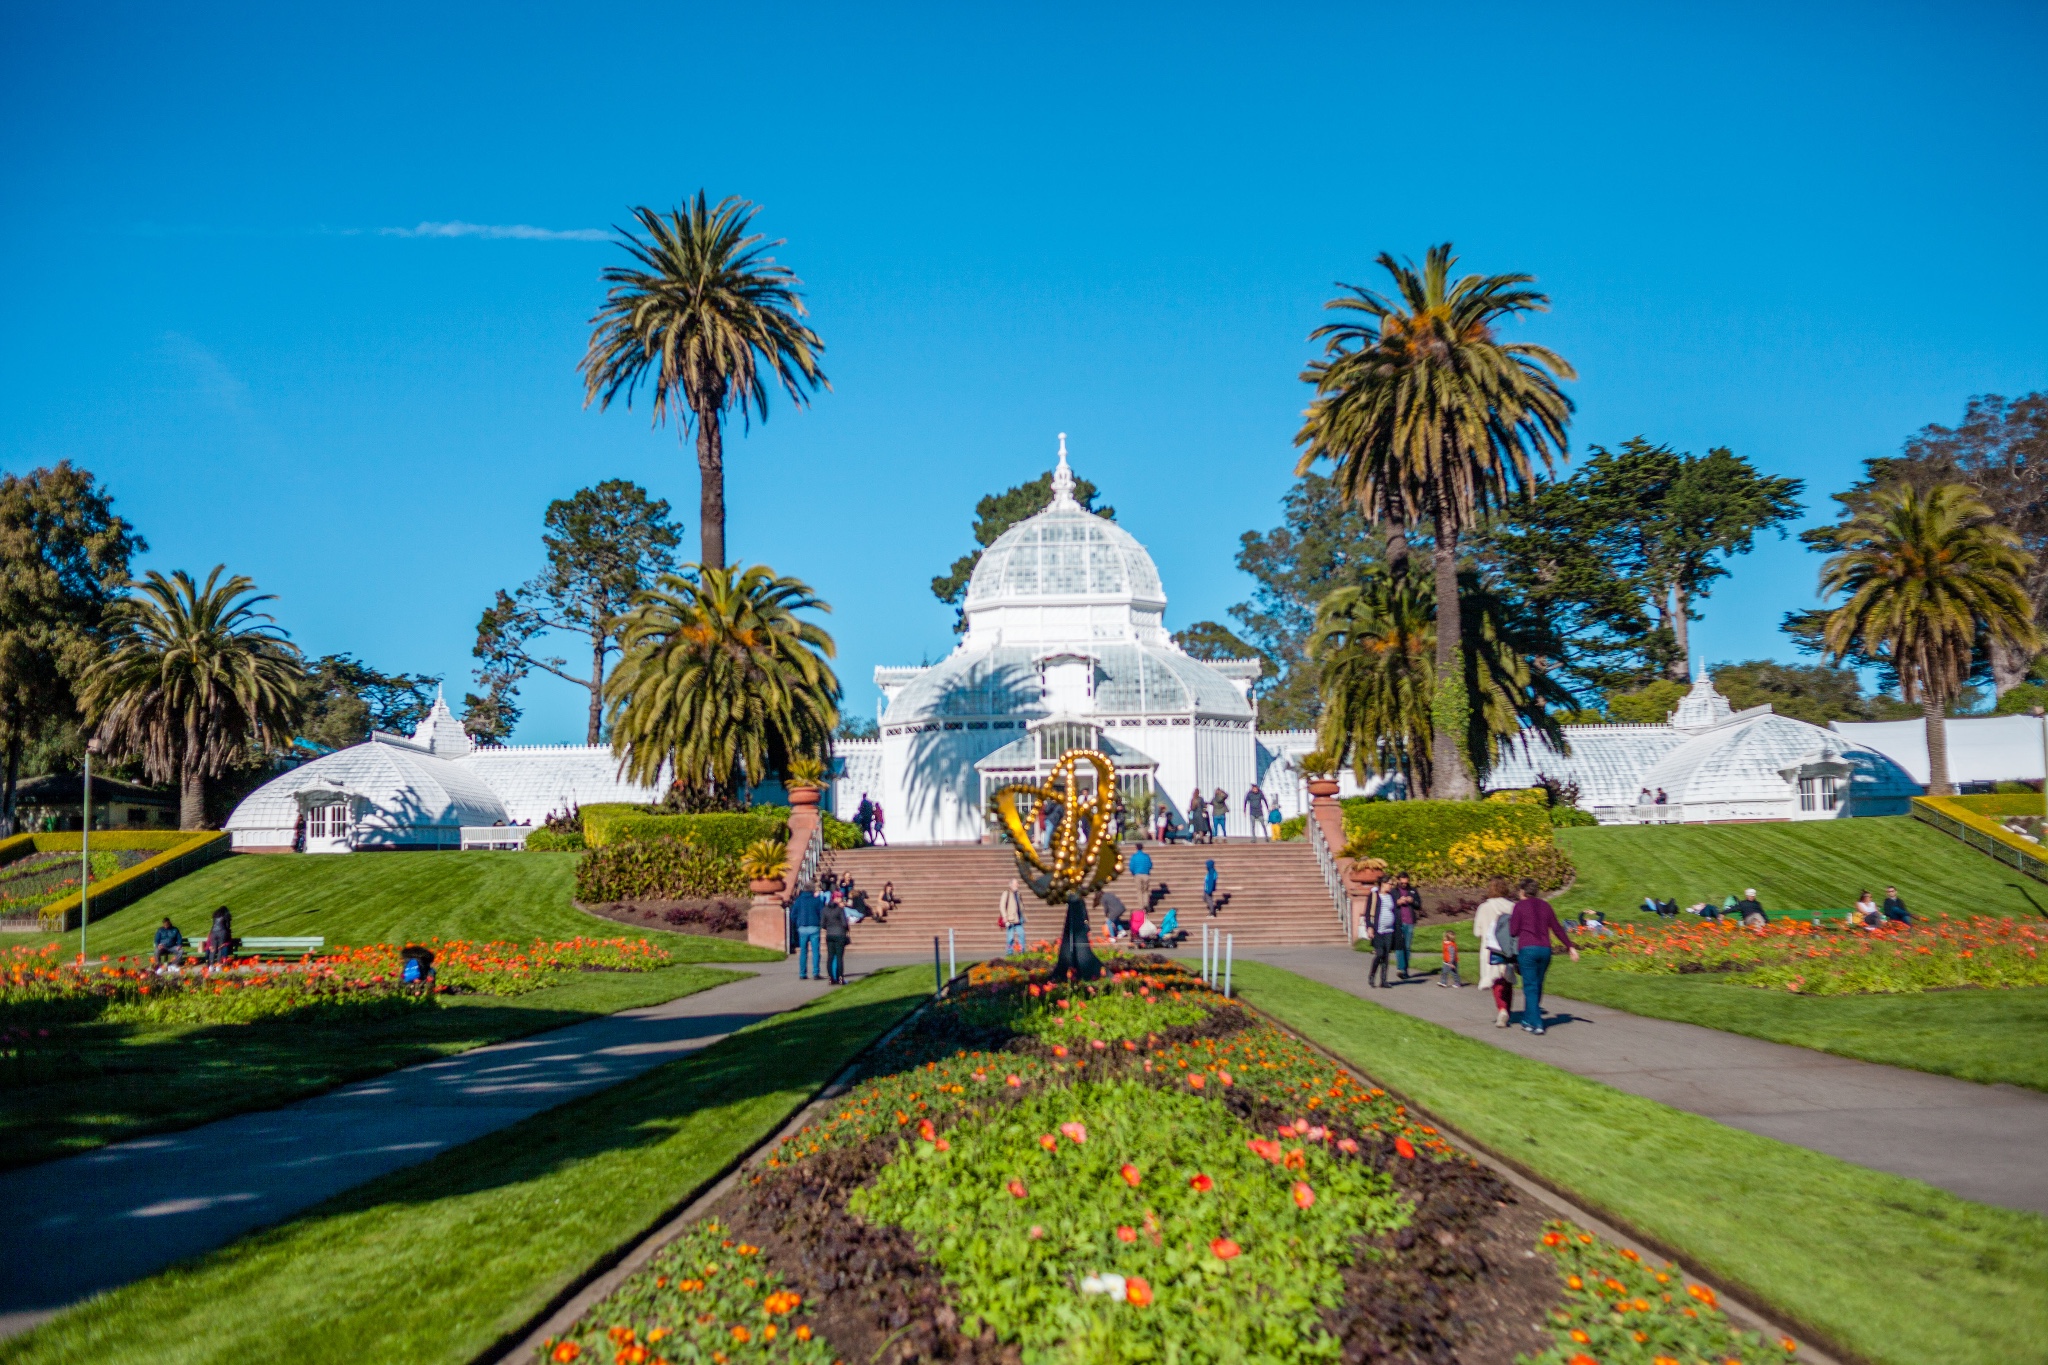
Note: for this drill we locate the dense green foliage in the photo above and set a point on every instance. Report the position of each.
(433, 1264)
(1461, 842)
(1961, 1281)
(549, 841)
(717, 831)
(667, 868)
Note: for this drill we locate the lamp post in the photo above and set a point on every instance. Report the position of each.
(92, 746)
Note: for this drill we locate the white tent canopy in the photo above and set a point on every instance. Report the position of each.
(1981, 749)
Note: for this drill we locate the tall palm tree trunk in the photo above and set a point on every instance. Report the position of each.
(191, 797)
(1937, 745)
(1449, 779)
(595, 733)
(711, 487)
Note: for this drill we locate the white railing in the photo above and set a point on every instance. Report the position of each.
(1333, 876)
(813, 854)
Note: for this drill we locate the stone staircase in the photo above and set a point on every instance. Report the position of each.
(1274, 894)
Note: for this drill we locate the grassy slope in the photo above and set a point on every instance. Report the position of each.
(1892, 1269)
(436, 1263)
(1807, 865)
(117, 1082)
(1987, 1036)
(385, 898)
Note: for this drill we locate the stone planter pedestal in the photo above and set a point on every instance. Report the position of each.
(767, 922)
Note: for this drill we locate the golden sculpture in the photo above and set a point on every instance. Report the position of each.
(1084, 856)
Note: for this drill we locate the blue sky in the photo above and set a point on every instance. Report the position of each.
(1795, 230)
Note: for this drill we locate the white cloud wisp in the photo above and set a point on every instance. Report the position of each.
(520, 232)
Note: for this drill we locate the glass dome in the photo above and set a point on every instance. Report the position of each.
(1065, 552)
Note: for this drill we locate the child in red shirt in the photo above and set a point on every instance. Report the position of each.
(1448, 976)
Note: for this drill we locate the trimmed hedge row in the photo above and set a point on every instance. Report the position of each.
(721, 831)
(668, 868)
(1463, 842)
(180, 852)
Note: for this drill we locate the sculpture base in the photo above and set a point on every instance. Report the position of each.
(768, 924)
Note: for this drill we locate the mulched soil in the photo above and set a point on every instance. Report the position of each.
(1460, 1285)
(653, 914)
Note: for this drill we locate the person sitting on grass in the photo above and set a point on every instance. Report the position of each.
(170, 945)
(1865, 915)
(1750, 910)
(1894, 908)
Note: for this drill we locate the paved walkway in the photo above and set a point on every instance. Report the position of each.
(1983, 1142)
(91, 1222)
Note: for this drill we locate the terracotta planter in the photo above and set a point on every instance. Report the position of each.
(804, 796)
(1322, 786)
(765, 886)
(1366, 876)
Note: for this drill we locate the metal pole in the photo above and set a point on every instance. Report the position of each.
(938, 970)
(952, 962)
(1229, 952)
(85, 855)
(1205, 953)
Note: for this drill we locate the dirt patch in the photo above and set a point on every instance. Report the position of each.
(713, 917)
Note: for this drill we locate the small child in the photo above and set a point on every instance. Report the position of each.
(1449, 975)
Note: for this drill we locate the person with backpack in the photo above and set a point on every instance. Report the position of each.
(1407, 910)
(1534, 924)
(832, 923)
(1496, 952)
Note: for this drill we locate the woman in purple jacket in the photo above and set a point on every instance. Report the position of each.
(1532, 925)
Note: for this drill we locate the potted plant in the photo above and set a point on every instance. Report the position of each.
(1320, 767)
(805, 781)
(765, 862)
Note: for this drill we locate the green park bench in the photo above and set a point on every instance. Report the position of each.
(282, 947)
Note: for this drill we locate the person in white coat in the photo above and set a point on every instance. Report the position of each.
(1495, 971)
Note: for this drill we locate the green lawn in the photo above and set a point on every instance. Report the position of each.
(437, 1263)
(1806, 865)
(1893, 1270)
(385, 898)
(114, 1082)
(1988, 1036)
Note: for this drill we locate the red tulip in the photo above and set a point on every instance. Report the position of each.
(1016, 1189)
(1126, 1234)
(1224, 1249)
(1201, 1184)
(1404, 1147)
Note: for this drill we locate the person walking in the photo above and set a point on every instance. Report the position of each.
(864, 819)
(1448, 975)
(806, 913)
(1141, 868)
(1407, 910)
(1209, 889)
(1496, 968)
(1534, 924)
(1010, 914)
(1219, 812)
(1383, 923)
(1255, 811)
(1894, 908)
(876, 837)
(832, 921)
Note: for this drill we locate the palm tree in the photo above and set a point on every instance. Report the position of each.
(708, 319)
(1425, 411)
(1927, 574)
(196, 677)
(1374, 646)
(721, 682)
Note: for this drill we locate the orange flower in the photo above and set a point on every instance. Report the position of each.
(1265, 1147)
(1201, 1184)
(620, 1335)
(630, 1355)
(1048, 1141)
(1304, 1197)
(1703, 1294)
(803, 1332)
(1582, 1359)
(1580, 1337)
(1137, 1293)
(742, 1334)
(1405, 1147)
(925, 1130)
(1016, 1189)
(768, 1332)
(1075, 1133)
(1346, 1145)
(1012, 1081)
(1125, 1233)
(1058, 1051)
(567, 1351)
(1224, 1249)
(1574, 1282)
(1642, 1337)
(1550, 1239)
(1788, 1345)
(782, 1301)
(1130, 1175)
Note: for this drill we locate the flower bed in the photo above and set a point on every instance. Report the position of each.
(1133, 1169)
(39, 987)
(1832, 959)
(32, 882)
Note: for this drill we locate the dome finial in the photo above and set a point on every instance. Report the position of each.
(1063, 479)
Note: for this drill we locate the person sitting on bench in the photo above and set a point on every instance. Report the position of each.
(170, 945)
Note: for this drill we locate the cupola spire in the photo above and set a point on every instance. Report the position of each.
(1063, 479)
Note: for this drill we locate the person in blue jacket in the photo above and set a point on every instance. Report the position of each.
(807, 914)
(1209, 888)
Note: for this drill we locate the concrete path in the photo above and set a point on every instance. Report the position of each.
(91, 1222)
(1983, 1142)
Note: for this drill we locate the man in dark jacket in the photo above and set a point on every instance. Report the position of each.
(1894, 908)
(1407, 910)
(832, 922)
(1749, 910)
(807, 914)
(169, 944)
(1533, 925)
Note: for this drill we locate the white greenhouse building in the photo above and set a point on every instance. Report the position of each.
(433, 789)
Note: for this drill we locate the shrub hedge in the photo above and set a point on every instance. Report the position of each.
(548, 841)
(1465, 842)
(666, 868)
(721, 832)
